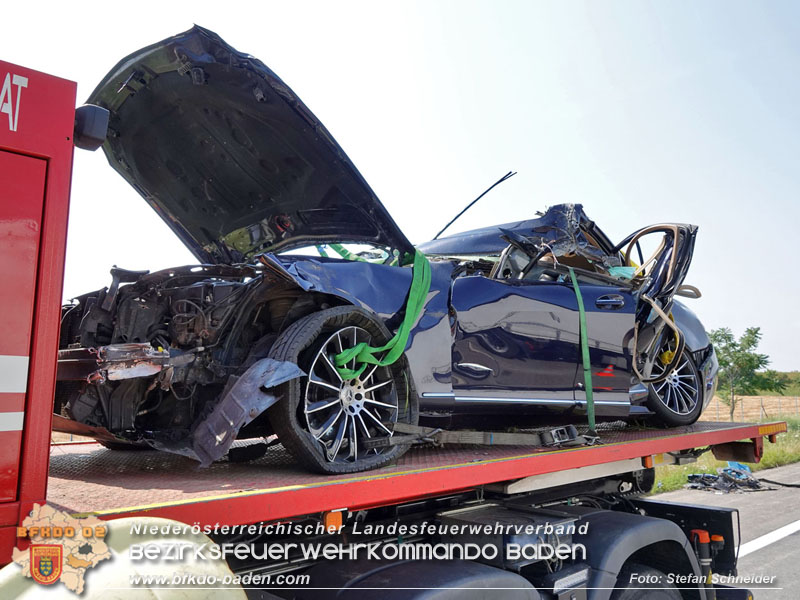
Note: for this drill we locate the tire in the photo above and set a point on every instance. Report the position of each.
(323, 427)
(678, 400)
(650, 584)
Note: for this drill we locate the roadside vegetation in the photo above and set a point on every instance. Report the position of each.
(785, 451)
(792, 388)
(742, 369)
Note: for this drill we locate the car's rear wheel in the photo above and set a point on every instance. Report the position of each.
(677, 399)
(326, 421)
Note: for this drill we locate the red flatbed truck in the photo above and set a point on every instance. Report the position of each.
(598, 486)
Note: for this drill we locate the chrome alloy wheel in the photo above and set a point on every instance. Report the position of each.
(680, 391)
(341, 413)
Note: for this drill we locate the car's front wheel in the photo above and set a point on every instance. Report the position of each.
(677, 399)
(329, 423)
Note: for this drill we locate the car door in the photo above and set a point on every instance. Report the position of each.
(610, 317)
(516, 344)
(658, 278)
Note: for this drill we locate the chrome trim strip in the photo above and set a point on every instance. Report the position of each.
(530, 400)
(513, 400)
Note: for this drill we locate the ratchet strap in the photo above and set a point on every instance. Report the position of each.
(566, 436)
(364, 354)
(587, 364)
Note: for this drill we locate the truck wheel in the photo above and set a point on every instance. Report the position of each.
(323, 420)
(678, 400)
(640, 582)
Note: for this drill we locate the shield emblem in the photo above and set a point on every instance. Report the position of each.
(46, 562)
(45, 565)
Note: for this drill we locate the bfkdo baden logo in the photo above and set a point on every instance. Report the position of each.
(62, 547)
(45, 560)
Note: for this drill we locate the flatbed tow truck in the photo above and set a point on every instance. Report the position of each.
(589, 499)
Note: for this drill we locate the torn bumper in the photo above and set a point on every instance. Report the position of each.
(117, 362)
(245, 397)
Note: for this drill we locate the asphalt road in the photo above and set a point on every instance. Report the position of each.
(761, 514)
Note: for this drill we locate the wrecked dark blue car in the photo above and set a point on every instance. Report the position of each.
(249, 343)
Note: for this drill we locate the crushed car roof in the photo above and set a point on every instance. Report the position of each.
(229, 157)
(558, 225)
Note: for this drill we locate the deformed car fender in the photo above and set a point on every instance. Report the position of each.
(695, 335)
(383, 290)
(246, 397)
(699, 344)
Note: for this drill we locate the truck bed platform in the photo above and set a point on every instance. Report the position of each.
(86, 478)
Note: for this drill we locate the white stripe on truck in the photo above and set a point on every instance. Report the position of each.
(11, 421)
(13, 374)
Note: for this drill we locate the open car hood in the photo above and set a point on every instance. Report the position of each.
(229, 157)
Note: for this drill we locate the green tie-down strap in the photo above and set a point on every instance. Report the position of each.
(341, 251)
(587, 365)
(345, 253)
(364, 354)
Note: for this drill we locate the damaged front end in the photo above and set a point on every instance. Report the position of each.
(237, 166)
(177, 360)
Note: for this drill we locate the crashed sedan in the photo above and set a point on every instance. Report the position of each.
(540, 321)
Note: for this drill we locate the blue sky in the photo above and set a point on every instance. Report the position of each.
(642, 111)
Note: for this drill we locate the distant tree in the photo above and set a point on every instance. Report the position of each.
(742, 370)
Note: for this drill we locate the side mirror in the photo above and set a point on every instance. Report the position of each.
(91, 126)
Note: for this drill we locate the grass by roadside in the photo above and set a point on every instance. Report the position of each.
(785, 451)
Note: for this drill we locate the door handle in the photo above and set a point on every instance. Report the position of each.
(610, 301)
(475, 367)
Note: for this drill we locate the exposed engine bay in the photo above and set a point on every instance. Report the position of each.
(150, 361)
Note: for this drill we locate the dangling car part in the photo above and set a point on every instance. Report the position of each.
(250, 343)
